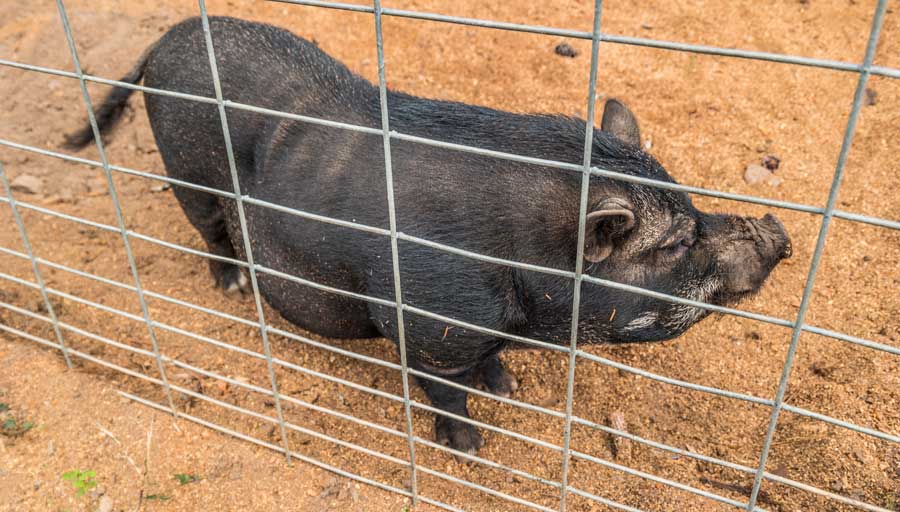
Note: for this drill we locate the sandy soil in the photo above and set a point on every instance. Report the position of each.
(83, 423)
(706, 118)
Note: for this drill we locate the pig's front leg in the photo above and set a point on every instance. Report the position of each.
(449, 431)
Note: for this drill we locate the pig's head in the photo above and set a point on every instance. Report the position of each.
(656, 239)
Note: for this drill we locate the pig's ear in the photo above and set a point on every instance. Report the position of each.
(603, 226)
(619, 121)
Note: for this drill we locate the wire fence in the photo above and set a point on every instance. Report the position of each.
(776, 404)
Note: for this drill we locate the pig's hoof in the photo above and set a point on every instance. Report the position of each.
(234, 282)
(457, 435)
(493, 378)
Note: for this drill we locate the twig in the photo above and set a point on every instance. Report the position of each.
(124, 450)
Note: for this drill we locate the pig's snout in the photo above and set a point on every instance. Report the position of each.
(748, 252)
(771, 238)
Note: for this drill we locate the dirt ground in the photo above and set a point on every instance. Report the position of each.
(706, 119)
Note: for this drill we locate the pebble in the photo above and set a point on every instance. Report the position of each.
(106, 504)
(564, 50)
(756, 174)
(28, 184)
(771, 162)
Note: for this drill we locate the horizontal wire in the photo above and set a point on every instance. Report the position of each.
(661, 480)
(675, 382)
(841, 423)
(609, 38)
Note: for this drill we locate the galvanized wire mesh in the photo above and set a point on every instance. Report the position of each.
(777, 403)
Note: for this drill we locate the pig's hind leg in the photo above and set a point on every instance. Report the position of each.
(206, 214)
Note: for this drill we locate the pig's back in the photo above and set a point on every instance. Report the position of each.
(258, 65)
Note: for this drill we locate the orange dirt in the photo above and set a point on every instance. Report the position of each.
(707, 118)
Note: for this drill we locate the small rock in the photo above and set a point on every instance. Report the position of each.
(27, 184)
(106, 504)
(871, 97)
(646, 26)
(160, 188)
(51, 448)
(37, 485)
(648, 144)
(756, 174)
(564, 50)
(771, 162)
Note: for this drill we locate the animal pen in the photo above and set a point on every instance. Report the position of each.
(562, 487)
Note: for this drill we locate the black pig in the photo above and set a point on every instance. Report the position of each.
(640, 235)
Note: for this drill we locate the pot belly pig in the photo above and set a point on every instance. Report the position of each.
(635, 234)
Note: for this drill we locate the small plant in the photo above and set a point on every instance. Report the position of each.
(185, 479)
(12, 427)
(157, 497)
(82, 481)
(4, 407)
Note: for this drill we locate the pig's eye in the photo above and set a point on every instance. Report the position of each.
(679, 247)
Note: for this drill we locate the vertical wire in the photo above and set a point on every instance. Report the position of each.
(34, 266)
(395, 252)
(245, 235)
(820, 246)
(579, 254)
(120, 218)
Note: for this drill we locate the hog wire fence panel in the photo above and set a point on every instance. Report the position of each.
(776, 404)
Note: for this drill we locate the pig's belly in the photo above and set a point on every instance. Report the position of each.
(320, 312)
(282, 243)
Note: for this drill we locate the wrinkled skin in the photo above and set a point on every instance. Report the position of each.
(635, 234)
